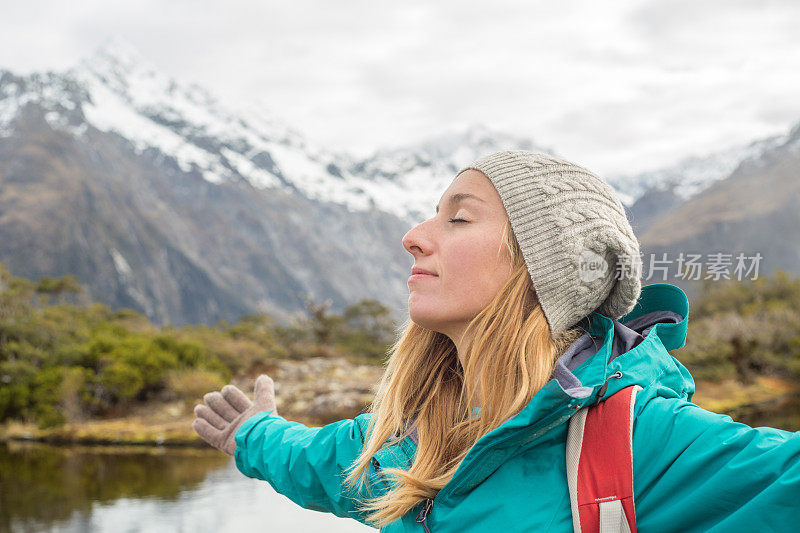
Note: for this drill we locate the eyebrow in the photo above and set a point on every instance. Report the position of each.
(459, 196)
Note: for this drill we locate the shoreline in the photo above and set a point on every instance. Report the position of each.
(153, 429)
(313, 392)
(113, 432)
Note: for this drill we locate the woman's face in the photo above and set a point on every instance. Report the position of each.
(468, 259)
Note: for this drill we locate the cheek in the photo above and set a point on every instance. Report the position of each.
(477, 261)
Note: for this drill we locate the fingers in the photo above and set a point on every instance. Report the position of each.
(204, 412)
(206, 431)
(221, 406)
(236, 398)
(264, 387)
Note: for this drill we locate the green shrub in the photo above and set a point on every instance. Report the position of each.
(121, 380)
(47, 397)
(62, 361)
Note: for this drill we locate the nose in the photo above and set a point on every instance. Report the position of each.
(415, 241)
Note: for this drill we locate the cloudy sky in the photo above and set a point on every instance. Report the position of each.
(618, 86)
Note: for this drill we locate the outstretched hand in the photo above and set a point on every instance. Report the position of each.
(223, 412)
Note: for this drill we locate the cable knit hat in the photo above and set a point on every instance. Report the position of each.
(578, 245)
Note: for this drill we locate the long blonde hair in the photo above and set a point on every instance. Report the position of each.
(425, 387)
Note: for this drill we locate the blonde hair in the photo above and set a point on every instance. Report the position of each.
(425, 387)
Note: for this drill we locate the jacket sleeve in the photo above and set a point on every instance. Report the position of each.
(695, 470)
(307, 465)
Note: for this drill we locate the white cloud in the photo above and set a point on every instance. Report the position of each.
(618, 86)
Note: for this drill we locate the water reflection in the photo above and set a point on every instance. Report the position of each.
(46, 488)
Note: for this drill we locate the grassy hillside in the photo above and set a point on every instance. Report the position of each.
(67, 363)
(72, 370)
(743, 349)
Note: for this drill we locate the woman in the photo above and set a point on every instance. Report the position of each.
(524, 305)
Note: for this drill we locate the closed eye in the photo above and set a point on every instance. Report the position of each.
(457, 220)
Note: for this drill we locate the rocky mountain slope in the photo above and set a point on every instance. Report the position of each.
(159, 198)
(753, 210)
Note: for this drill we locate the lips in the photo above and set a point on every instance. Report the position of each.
(420, 274)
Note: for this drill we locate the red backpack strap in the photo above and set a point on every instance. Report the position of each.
(600, 465)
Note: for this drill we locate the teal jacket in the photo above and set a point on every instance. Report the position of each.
(693, 470)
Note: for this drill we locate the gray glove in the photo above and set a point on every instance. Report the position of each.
(223, 412)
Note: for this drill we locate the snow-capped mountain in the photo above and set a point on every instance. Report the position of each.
(419, 173)
(117, 90)
(651, 195)
(160, 198)
(752, 212)
(692, 174)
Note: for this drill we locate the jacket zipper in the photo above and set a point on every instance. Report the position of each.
(427, 507)
(548, 425)
(422, 517)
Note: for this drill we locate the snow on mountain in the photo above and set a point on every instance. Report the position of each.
(415, 176)
(58, 95)
(693, 174)
(118, 90)
(156, 208)
(131, 97)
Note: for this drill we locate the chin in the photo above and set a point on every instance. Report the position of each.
(433, 320)
(425, 318)
(422, 321)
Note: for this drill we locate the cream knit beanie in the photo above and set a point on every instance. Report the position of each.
(578, 245)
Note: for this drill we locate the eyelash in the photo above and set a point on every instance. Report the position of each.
(457, 220)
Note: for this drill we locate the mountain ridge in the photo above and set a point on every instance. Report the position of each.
(162, 199)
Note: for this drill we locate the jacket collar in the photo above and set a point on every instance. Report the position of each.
(637, 345)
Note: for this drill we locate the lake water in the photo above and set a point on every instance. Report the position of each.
(129, 489)
(114, 489)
